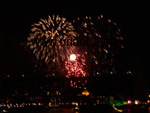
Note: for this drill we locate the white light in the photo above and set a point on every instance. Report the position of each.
(72, 57)
(136, 102)
(129, 101)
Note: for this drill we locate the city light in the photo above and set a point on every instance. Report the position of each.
(136, 102)
(4, 111)
(119, 110)
(85, 92)
(129, 101)
(48, 93)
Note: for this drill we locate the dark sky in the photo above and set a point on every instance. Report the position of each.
(16, 18)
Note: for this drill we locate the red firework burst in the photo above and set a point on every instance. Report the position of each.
(75, 66)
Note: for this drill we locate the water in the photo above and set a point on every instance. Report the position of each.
(87, 110)
(62, 110)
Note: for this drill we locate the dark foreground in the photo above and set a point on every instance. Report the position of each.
(98, 109)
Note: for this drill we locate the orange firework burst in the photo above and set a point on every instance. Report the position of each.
(46, 36)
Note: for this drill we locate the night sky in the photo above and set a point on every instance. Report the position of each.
(16, 19)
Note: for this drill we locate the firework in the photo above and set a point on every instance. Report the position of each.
(76, 70)
(75, 66)
(47, 39)
(104, 39)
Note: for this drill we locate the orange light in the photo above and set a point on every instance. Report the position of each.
(136, 102)
(56, 92)
(86, 93)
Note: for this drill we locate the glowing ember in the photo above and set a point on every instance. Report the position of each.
(72, 57)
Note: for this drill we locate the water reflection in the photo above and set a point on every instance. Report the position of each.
(87, 110)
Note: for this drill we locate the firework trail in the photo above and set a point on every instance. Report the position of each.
(104, 40)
